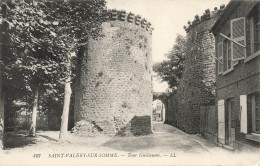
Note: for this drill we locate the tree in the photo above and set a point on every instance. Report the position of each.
(76, 21)
(170, 70)
(41, 41)
(27, 64)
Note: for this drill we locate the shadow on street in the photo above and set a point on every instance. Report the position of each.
(18, 139)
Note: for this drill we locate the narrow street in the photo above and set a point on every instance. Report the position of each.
(166, 138)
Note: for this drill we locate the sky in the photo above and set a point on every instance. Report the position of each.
(168, 18)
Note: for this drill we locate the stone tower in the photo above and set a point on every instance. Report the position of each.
(197, 85)
(114, 91)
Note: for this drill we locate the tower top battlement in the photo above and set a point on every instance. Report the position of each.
(207, 15)
(122, 15)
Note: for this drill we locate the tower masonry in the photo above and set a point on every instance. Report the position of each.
(197, 85)
(113, 94)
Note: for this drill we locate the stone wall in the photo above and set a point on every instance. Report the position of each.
(172, 109)
(113, 94)
(197, 85)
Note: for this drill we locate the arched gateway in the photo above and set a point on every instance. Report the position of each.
(163, 97)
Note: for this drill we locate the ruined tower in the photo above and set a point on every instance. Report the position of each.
(113, 95)
(197, 85)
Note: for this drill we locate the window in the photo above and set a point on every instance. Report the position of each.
(228, 46)
(228, 63)
(254, 19)
(220, 58)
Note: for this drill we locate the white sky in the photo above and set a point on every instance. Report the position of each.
(168, 18)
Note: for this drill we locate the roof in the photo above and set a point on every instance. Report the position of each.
(227, 11)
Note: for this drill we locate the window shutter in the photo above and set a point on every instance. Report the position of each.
(220, 58)
(252, 36)
(221, 121)
(238, 34)
(234, 63)
(243, 114)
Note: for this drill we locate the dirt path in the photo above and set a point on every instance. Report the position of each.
(165, 138)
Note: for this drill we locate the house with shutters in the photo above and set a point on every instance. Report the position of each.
(237, 43)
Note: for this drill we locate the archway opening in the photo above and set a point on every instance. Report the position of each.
(158, 112)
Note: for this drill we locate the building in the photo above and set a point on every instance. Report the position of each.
(237, 40)
(158, 111)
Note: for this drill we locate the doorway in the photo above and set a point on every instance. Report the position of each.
(229, 130)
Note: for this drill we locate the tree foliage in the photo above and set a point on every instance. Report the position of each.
(38, 41)
(39, 37)
(170, 70)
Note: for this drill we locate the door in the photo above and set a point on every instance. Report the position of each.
(230, 122)
(228, 112)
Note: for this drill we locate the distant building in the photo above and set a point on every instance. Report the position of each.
(158, 111)
(237, 39)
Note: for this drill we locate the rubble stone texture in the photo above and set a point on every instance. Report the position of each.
(113, 94)
(197, 85)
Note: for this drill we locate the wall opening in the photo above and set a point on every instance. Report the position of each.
(158, 112)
